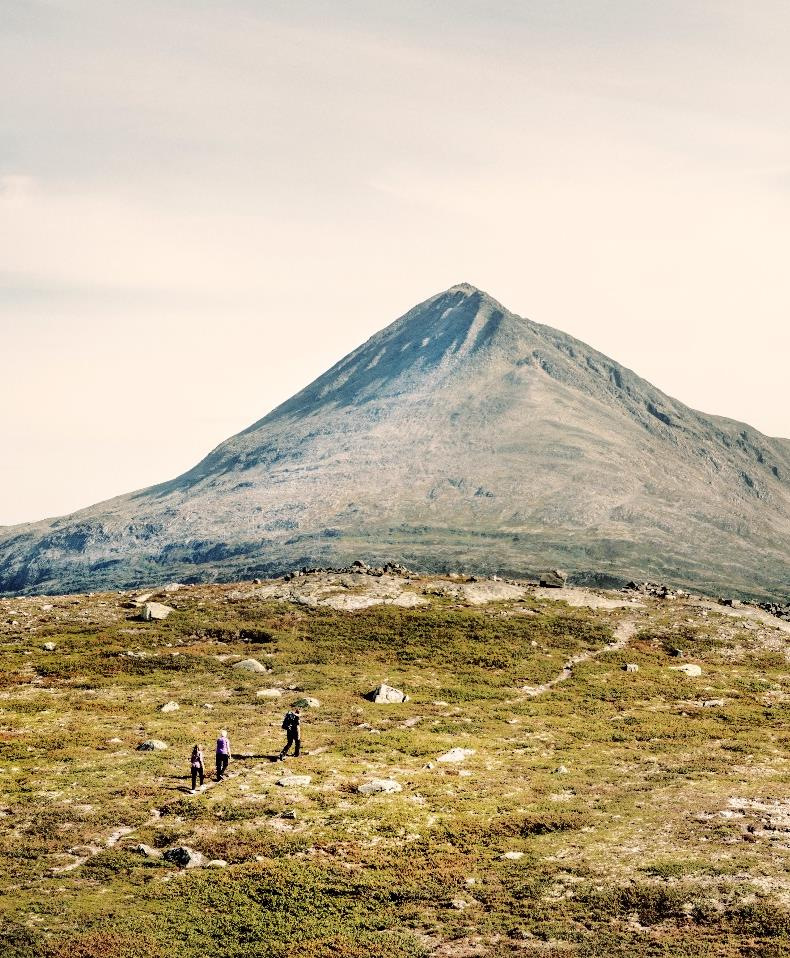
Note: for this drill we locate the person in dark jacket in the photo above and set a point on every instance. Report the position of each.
(223, 754)
(197, 767)
(292, 724)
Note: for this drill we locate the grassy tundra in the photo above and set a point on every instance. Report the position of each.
(646, 821)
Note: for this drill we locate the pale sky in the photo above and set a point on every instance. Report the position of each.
(203, 205)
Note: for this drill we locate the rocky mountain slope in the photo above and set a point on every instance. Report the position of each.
(460, 436)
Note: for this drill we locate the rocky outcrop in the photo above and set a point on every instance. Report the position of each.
(553, 579)
(386, 695)
(184, 857)
(375, 786)
(154, 611)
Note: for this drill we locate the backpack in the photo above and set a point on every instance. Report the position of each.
(290, 721)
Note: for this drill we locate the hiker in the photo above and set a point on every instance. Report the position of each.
(196, 764)
(223, 754)
(292, 726)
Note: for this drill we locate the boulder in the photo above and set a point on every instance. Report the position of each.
(630, 667)
(269, 693)
(386, 695)
(217, 863)
(154, 611)
(307, 703)
(250, 665)
(692, 671)
(184, 857)
(169, 707)
(49, 646)
(152, 745)
(456, 755)
(376, 785)
(513, 856)
(553, 579)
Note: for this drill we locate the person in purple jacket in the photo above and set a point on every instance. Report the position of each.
(223, 754)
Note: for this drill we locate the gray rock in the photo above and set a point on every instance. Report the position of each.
(250, 665)
(152, 745)
(630, 667)
(217, 863)
(184, 857)
(376, 785)
(269, 693)
(560, 770)
(169, 707)
(456, 755)
(49, 646)
(307, 703)
(553, 579)
(386, 695)
(692, 671)
(154, 611)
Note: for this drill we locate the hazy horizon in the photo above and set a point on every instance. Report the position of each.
(203, 207)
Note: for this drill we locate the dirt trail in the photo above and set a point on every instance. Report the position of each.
(622, 636)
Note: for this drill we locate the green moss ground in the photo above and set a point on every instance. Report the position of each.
(637, 849)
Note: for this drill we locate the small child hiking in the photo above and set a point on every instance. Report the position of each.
(223, 754)
(197, 767)
(292, 724)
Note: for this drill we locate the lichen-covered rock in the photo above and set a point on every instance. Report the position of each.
(386, 695)
(456, 755)
(689, 669)
(152, 745)
(184, 857)
(376, 785)
(154, 611)
(250, 665)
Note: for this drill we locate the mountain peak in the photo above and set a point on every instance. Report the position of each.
(459, 433)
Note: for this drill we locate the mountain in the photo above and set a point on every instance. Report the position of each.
(459, 436)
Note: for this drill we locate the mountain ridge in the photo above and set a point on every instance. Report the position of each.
(459, 435)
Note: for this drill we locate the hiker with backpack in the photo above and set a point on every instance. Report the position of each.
(292, 725)
(197, 767)
(223, 754)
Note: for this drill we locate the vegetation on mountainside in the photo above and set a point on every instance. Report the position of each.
(648, 822)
